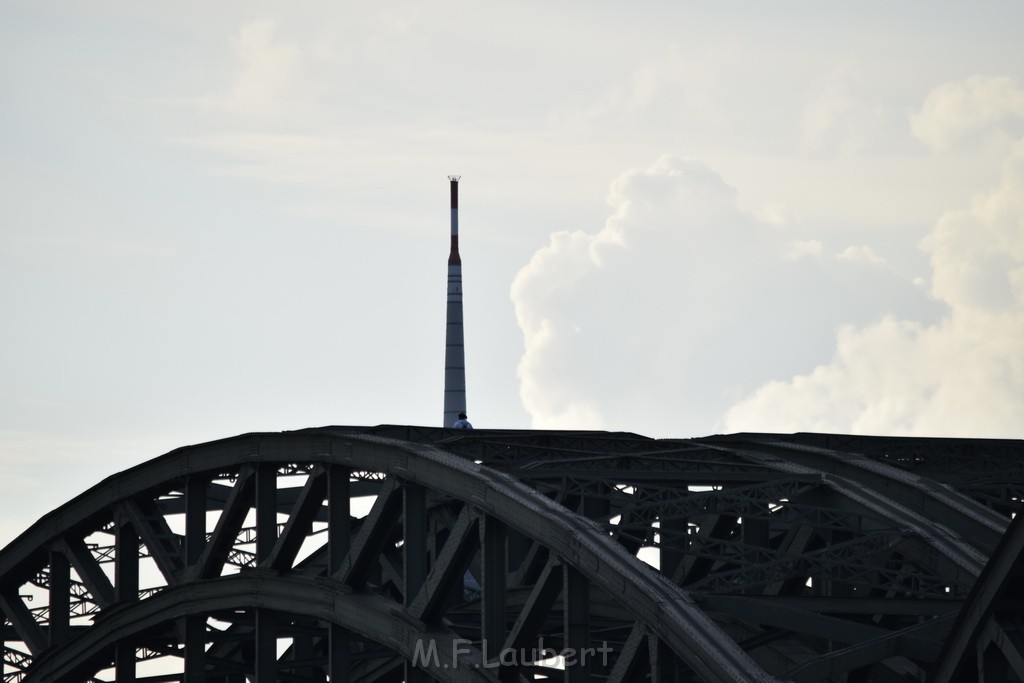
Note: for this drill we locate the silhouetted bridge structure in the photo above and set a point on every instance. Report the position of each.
(397, 553)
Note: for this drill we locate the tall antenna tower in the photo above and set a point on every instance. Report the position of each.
(454, 349)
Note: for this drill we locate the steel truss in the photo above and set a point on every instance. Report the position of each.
(398, 553)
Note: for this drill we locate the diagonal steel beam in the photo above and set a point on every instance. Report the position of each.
(1001, 578)
(92, 575)
(629, 664)
(372, 536)
(218, 547)
(300, 521)
(839, 662)
(772, 613)
(449, 568)
(23, 622)
(695, 567)
(1009, 645)
(531, 566)
(163, 544)
(537, 607)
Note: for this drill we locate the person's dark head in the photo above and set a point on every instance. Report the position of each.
(462, 416)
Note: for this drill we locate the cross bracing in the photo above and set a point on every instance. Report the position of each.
(397, 553)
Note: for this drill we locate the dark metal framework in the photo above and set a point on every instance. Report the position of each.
(403, 553)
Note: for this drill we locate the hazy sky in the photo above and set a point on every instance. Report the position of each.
(677, 218)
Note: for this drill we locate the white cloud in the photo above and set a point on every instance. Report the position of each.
(977, 253)
(268, 67)
(682, 84)
(963, 376)
(837, 119)
(636, 93)
(959, 110)
(862, 254)
(804, 249)
(679, 305)
(775, 214)
(685, 313)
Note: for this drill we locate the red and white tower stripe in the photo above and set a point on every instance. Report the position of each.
(454, 350)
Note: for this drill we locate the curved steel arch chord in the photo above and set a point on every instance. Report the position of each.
(840, 490)
(967, 465)
(980, 526)
(930, 560)
(980, 640)
(873, 475)
(587, 555)
(891, 494)
(372, 617)
(782, 480)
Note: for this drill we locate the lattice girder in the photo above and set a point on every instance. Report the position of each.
(755, 535)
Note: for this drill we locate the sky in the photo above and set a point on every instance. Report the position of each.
(676, 219)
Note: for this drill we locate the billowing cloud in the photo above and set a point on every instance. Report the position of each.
(959, 110)
(645, 85)
(837, 120)
(977, 254)
(267, 69)
(686, 313)
(682, 304)
(963, 376)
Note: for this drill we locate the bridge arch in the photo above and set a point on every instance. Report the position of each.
(795, 557)
(471, 506)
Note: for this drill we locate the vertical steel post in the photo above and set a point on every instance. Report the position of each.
(126, 580)
(266, 510)
(195, 541)
(339, 532)
(597, 506)
(674, 543)
(304, 653)
(195, 647)
(60, 598)
(339, 541)
(518, 548)
(195, 518)
(454, 350)
(266, 646)
(577, 626)
(415, 541)
(414, 550)
(494, 562)
(339, 656)
(266, 538)
(754, 531)
(126, 562)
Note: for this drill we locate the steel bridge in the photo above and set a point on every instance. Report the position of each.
(396, 553)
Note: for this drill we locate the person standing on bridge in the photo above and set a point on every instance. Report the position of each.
(462, 422)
